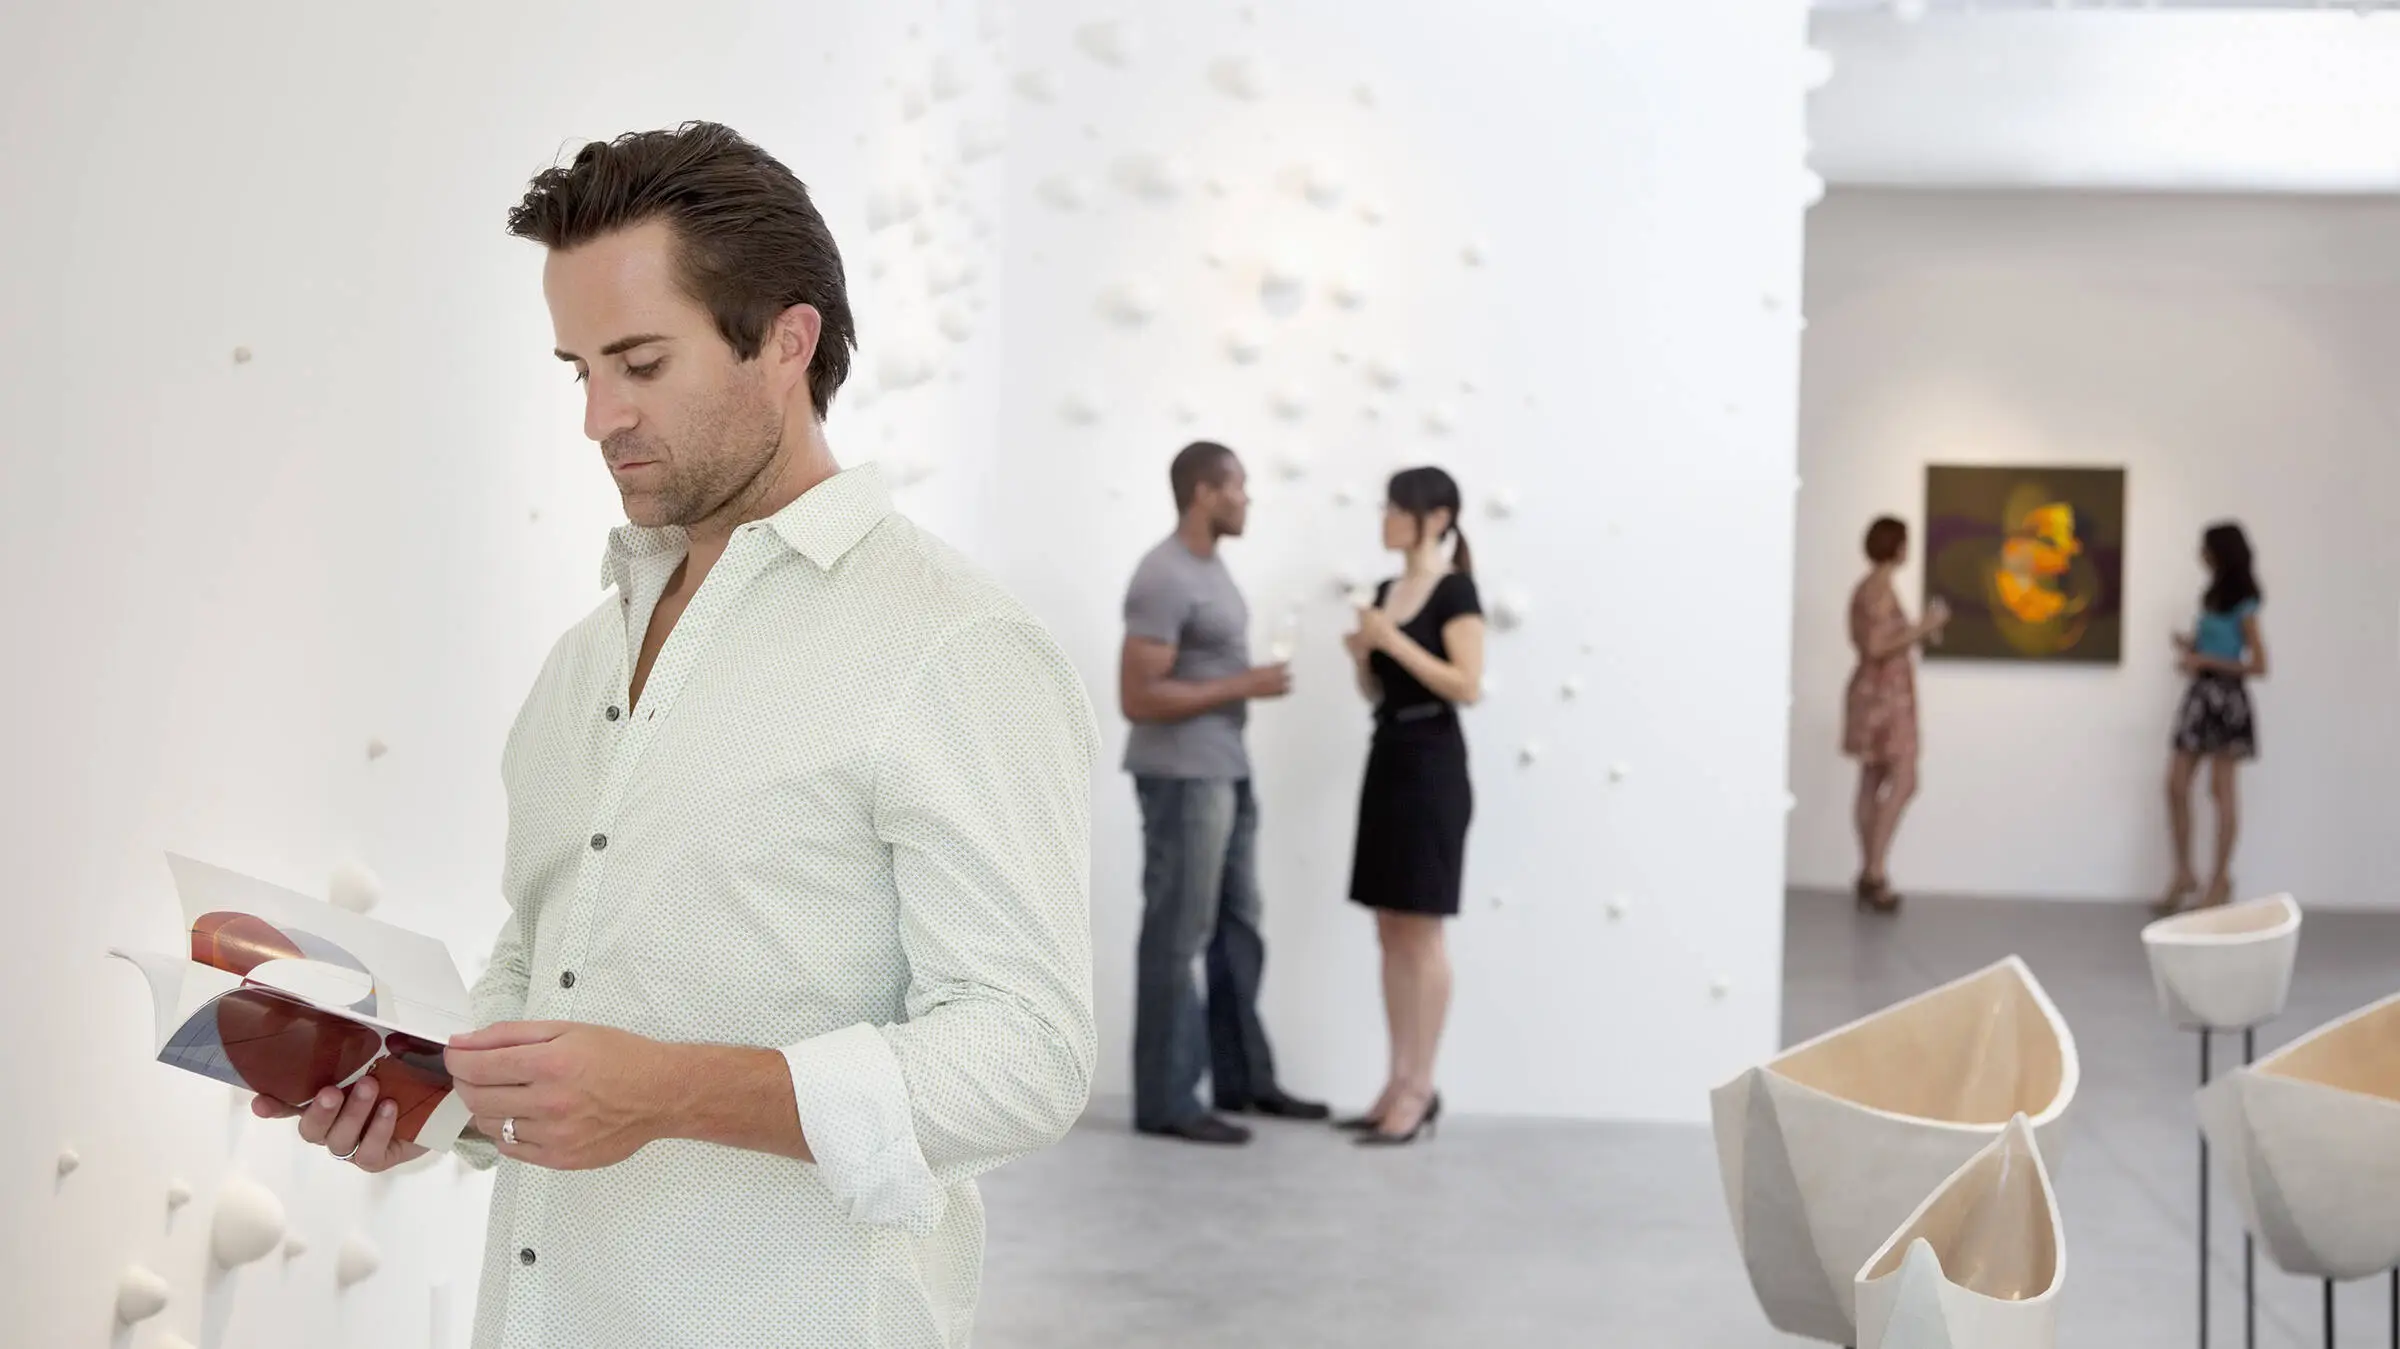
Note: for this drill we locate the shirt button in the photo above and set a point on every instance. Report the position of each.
(525, 1257)
(599, 841)
(566, 978)
(614, 712)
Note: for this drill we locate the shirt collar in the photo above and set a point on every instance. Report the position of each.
(822, 525)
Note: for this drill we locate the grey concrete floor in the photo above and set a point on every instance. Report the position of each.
(1511, 1232)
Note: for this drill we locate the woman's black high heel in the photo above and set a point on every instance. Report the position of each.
(1358, 1124)
(1376, 1138)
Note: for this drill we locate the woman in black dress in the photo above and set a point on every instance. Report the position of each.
(1419, 656)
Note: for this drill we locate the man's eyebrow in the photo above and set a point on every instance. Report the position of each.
(620, 345)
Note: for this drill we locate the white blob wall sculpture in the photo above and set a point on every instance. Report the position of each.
(1238, 77)
(2308, 1139)
(68, 1160)
(2225, 968)
(1109, 41)
(980, 140)
(248, 1223)
(179, 1193)
(1978, 1265)
(1130, 303)
(1288, 403)
(1827, 1148)
(1510, 610)
(1037, 86)
(356, 1261)
(1159, 180)
(1282, 286)
(1064, 191)
(894, 203)
(1321, 186)
(141, 1294)
(353, 887)
(1244, 345)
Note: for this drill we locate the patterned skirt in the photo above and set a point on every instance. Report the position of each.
(2215, 720)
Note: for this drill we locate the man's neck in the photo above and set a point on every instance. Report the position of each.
(1198, 535)
(801, 462)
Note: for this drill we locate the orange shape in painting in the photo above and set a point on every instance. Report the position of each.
(2031, 561)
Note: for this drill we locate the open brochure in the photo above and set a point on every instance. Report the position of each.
(285, 996)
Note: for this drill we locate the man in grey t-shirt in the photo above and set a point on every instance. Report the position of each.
(1185, 682)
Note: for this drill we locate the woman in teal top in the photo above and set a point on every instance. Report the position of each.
(2222, 653)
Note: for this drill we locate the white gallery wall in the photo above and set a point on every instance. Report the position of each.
(2233, 354)
(1552, 247)
(228, 576)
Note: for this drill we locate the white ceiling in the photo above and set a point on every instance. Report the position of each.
(2188, 96)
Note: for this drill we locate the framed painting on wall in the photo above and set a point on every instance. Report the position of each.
(2031, 562)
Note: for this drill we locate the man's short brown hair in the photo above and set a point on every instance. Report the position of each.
(749, 242)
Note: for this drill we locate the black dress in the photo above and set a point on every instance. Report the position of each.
(1415, 804)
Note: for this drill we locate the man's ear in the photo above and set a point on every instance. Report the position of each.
(793, 343)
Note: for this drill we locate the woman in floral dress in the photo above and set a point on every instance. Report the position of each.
(1879, 714)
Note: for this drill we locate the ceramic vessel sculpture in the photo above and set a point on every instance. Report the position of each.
(1827, 1148)
(1978, 1265)
(2308, 1138)
(2224, 968)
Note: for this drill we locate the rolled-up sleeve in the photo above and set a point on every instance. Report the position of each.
(983, 795)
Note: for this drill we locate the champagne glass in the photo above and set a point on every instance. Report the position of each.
(1285, 643)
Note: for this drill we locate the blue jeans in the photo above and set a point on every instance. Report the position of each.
(1199, 896)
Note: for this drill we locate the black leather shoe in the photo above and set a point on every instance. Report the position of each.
(1280, 1106)
(1204, 1129)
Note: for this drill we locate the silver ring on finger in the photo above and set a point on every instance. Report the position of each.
(508, 1131)
(353, 1152)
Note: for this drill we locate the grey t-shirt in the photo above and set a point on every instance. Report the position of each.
(1191, 604)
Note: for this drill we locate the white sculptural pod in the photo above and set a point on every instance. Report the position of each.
(1386, 373)
(296, 1246)
(241, 355)
(1130, 303)
(1064, 192)
(1346, 292)
(1816, 68)
(1502, 504)
(1618, 772)
(1287, 403)
(1510, 609)
(1080, 409)
(358, 1259)
(950, 78)
(1282, 286)
(894, 203)
(141, 1294)
(1720, 988)
(1475, 253)
(1238, 77)
(1363, 95)
(1321, 186)
(247, 1225)
(1372, 212)
(980, 140)
(1570, 688)
(179, 1193)
(376, 748)
(1980, 1262)
(1157, 179)
(1812, 187)
(905, 364)
(913, 102)
(1110, 42)
(1618, 907)
(1185, 411)
(2226, 968)
(1908, 11)
(68, 1160)
(1346, 494)
(1441, 419)
(2308, 1140)
(1827, 1148)
(1529, 754)
(1036, 86)
(956, 321)
(353, 887)
(1243, 345)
